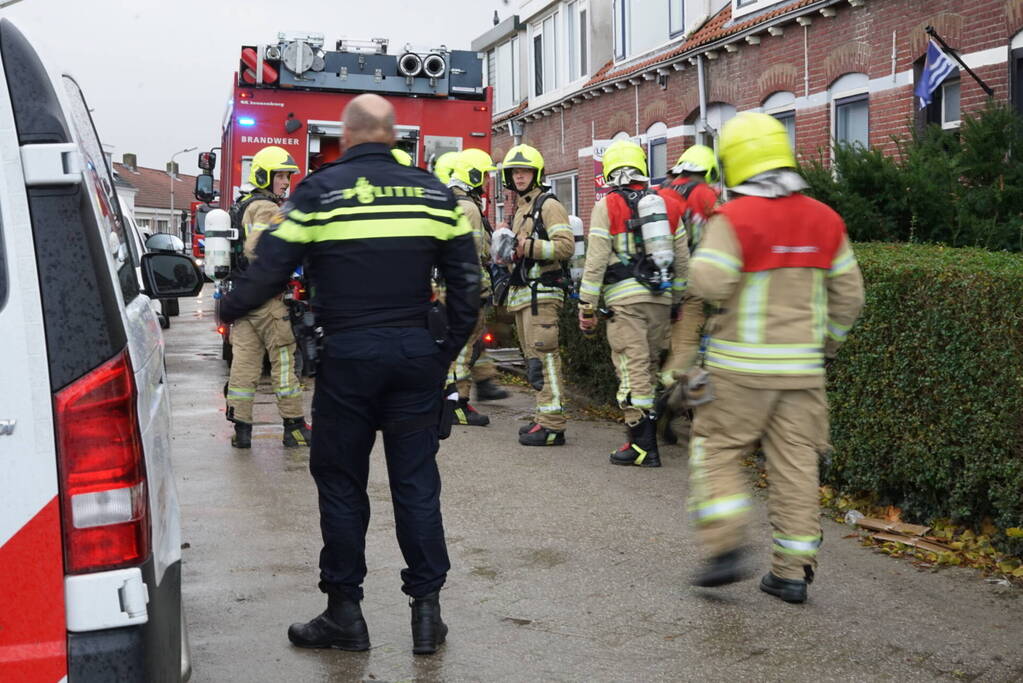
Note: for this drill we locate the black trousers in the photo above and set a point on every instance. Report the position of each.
(387, 379)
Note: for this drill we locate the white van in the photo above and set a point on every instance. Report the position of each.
(90, 540)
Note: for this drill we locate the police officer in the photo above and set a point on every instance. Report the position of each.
(619, 269)
(372, 231)
(267, 328)
(537, 292)
(781, 270)
(468, 173)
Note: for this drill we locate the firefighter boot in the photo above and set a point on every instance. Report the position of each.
(526, 428)
(296, 432)
(465, 414)
(538, 435)
(641, 449)
(789, 590)
(722, 569)
(428, 631)
(340, 627)
(242, 435)
(487, 390)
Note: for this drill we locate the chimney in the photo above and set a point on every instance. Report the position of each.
(172, 168)
(131, 162)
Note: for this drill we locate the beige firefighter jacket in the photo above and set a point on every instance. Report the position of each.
(479, 236)
(602, 252)
(560, 246)
(258, 217)
(774, 328)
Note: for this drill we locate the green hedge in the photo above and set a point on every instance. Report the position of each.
(927, 394)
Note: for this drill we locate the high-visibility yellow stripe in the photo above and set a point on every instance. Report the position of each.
(726, 262)
(843, 263)
(290, 231)
(327, 216)
(753, 307)
(819, 304)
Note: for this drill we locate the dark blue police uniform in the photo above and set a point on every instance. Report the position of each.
(371, 232)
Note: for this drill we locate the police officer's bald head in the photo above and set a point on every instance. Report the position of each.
(368, 118)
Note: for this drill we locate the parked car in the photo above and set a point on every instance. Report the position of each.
(90, 539)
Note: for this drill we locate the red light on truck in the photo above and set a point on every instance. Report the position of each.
(102, 470)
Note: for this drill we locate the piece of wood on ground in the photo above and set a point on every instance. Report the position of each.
(875, 524)
(914, 541)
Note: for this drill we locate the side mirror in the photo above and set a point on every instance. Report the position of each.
(208, 161)
(204, 191)
(170, 276)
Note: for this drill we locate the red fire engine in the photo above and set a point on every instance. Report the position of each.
(291, 93)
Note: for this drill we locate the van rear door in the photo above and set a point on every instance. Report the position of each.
(33, 638)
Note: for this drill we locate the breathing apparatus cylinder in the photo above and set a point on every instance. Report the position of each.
(658, 242)
(218, 236)
(578, 261)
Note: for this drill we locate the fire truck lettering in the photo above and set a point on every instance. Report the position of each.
(270, 141)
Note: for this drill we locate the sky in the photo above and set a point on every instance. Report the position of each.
(157, 73)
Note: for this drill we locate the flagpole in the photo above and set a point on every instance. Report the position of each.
(955, 55)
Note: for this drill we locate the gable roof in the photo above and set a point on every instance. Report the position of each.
(154, 187)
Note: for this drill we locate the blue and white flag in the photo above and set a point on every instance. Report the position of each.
(937, 68)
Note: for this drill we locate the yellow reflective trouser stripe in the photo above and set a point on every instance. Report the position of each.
(551, 380)
(624, 380)
(843, 263)
(241, 392)
(726, 262)
(461, 371)
(819, 304)
(284, 389)
(753, 307)
(642, 401)
(719, 508)
(797, 545)
(838, 331)
(679, 285)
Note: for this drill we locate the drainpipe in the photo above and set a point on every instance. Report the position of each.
(701, 133)
(636, 89)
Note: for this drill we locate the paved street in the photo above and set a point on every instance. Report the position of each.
(564, 568)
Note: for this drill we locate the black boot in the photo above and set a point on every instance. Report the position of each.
(538, 435)
(428, 631)
(242, 435)
(340, 627)
(789, 590)
(466, 415)
(296, 432)
(488, 390)
(722, 569)
(641, 449)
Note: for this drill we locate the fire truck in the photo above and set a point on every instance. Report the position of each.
(290, 93)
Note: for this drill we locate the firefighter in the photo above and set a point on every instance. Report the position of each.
(442, 166)
(401, 156)
(267, 328)
(537, 289)
(468, 173)
(384, 361)
(694, 177)
(639, 296)
(781, 273)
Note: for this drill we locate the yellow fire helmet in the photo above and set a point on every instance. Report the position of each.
(699, 159)
(623, 154)
(751, 144)
(401, 156)
(268, 161)
(442, 166)
(522, 156)
(471, 167)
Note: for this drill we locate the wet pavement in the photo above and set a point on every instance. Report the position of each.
(564, 568)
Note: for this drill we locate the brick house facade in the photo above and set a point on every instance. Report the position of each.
(827, 67)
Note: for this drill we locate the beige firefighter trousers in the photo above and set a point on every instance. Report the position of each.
(538, 335)
(265, 329)
(792, 426)
(637, 334)
(462, 368)
(685, 340)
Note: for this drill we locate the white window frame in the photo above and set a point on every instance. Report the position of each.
(743, 7)
(839, 94)
(948, 124)
(620, 32)
(782, 105)
(657, 134)
(536, 29)
(498, 85)
(572, 15)
(568, 175)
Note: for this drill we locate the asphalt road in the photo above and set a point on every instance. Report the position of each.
(565, 568)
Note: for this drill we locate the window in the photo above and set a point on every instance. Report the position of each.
(545, 55)
(657, 152)
(161, 225)
(744, 7)
(717, 114)
(782, 106)
(143, 223)
(577, 31)
(950, 104)
(642, 25)
(506, 81)
(851, 109)
(101, 185)
(566, 188)
(1016, 72)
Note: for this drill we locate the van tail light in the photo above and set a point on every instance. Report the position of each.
(102, 469)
